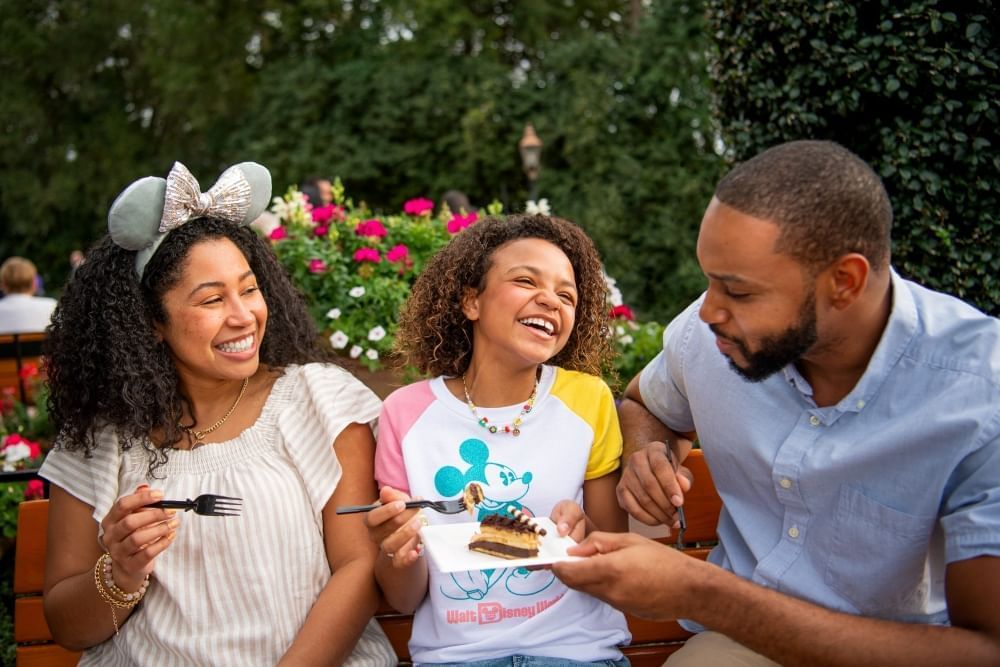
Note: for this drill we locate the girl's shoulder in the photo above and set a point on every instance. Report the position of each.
(420, 391)
(578, 381)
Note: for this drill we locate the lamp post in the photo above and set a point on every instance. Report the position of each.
(530, 147)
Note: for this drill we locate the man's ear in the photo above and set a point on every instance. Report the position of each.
(470, 304)
(847, 279)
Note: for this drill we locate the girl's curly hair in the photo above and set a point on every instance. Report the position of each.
(106, 368)
(434, 335)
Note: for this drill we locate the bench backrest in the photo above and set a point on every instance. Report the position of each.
(652, 641)
(16, 352)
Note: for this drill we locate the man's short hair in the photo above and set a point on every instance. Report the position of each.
(827, 201)
(17, 275)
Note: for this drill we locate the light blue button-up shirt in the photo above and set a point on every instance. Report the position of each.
(858, 506)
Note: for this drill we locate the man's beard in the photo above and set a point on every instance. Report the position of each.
(779, 350)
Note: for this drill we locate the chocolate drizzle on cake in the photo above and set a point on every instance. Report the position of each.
(514, 535)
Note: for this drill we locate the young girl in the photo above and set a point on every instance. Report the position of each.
(510, 317)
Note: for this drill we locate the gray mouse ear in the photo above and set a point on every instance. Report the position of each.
(134, 217)
(259, 179)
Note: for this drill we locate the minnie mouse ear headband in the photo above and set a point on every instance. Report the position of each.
(146, 211)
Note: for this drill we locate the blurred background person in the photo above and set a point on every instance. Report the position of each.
(20, 310)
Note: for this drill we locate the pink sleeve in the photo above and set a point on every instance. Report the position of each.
(400, 412)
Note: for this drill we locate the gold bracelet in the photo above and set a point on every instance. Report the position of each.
(102, 574)
(109, 584)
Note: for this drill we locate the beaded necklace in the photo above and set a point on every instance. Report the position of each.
(513, 428)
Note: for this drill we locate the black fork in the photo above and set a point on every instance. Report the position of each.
(207, 504)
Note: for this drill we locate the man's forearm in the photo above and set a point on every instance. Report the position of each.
(640, 427)
(794, 632)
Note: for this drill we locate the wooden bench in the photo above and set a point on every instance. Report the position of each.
(652, 642)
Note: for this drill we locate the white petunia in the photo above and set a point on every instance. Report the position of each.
(541, 207)
(620, 330)
(357, 292)
(376, 334)
(338, 340)
(625, 340)
(18, 452)
(356, 351)
(333, 313)
(372, 354)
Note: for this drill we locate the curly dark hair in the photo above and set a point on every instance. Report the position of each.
(107, 368)
(827, 201)
(435, 336)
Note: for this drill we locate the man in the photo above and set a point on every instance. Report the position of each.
(851, 422)
(20, 310)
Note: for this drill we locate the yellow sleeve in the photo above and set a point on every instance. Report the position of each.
(590, 398)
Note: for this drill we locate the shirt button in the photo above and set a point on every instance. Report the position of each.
(814, 420)
(785, 483)
(793, 532)
(860, 404)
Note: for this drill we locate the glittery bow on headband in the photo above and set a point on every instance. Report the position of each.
(146, 211)
(229, 199)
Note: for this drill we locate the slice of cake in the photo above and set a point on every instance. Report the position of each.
(472, 496)
(514, 535)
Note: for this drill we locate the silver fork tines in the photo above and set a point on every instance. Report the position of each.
(207, 504)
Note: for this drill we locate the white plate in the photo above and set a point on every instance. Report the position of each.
(448, 548)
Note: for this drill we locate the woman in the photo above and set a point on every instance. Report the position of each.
(181, 363)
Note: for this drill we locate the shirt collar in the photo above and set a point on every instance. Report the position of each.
(896, 337)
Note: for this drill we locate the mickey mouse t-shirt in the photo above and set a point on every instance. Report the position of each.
(430, 444)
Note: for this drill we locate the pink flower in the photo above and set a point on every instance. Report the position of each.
(367, 255)
(322, 214)
(398, 254)
(12, 439)
(321, 230)
(317, 266)
(28, 371)
(278, 233)
(34, 490)
(370, 228)
(418, 206)
(623, 312)
(459, 222)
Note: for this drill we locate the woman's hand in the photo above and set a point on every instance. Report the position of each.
(395, 529)
(134, 535)
(570, 520)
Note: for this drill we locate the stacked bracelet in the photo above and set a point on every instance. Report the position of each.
(109, 591)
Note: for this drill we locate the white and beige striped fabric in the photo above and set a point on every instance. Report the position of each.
(235, 590)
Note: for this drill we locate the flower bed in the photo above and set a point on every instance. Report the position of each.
(356, 269)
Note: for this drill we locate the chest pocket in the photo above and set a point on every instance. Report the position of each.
(878, 556)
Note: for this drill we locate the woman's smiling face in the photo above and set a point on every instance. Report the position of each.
(215, 314)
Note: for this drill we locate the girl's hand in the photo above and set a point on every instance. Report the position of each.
(570, 520)
(135, 535)
(395, 529)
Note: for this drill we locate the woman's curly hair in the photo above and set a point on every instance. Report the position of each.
(106, 367)
(435, 336)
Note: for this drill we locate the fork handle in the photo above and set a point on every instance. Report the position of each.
(172, 505)
(354, 509)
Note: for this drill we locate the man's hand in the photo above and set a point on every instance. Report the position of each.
(652, 486)
(631, 573)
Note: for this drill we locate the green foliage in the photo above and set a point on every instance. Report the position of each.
(401, 98)
(637, 344)
(912, 87)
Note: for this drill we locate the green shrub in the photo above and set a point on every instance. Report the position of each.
(911, 86)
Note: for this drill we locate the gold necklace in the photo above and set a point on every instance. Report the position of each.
(200, 435)
(514, 428)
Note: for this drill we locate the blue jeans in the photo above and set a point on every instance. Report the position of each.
(533, 661)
